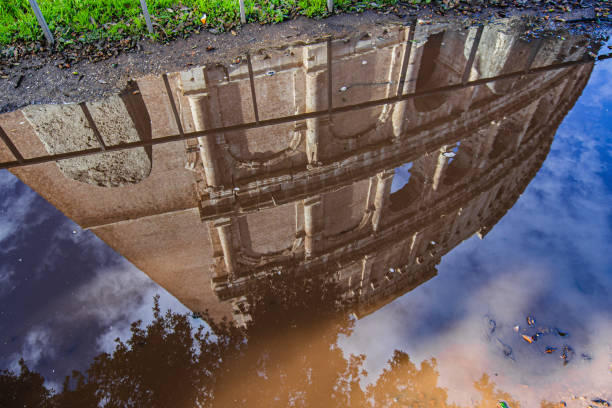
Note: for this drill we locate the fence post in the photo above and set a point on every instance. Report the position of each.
(42, 22)
(145, 11)
(242, 12)
(330, 6)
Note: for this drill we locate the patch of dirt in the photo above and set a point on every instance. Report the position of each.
(51, 78)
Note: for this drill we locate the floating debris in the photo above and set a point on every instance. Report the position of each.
(506, 349)
(567, 355)
(492, 325)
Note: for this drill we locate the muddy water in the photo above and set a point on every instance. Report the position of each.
(417, 216)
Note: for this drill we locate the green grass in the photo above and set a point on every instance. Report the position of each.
(88, 21)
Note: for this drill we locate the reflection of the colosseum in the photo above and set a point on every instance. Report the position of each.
(371, 193)
(375, 197)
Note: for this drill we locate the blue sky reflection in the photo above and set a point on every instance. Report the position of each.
(549, 258)
(65, 296)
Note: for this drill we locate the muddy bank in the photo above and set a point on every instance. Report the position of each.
(53, 78)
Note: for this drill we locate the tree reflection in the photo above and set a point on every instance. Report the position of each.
(285, 356)
(24, 390)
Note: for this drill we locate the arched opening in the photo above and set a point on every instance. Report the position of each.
(506, 138)
(431, 75)
(406, 187)
(459, 163)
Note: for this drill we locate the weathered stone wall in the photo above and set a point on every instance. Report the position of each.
(205, 215)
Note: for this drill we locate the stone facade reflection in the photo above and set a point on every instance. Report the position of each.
(374, 197)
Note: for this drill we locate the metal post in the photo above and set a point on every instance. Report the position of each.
(330, 6)
(242, 12)
(534, 53)
(42, 22)
(7, 141)
(145, 11)
(406, 59)
(470, 62)
(329, 77)
(253, 93)
(177, 117)
(92, 125)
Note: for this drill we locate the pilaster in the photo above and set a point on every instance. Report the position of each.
(383, 189)
(201, 114)
(224, 229)
(313, 214)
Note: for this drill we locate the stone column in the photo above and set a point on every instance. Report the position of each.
(414, 244)
(451, 231)
(224, 229)
(383, 189)
(314, 65)
(399, 112)
(366, 271)
(313, 209)
(312, 125)
(527, 116)
(201, 119)
(486, 201)
(440, 166)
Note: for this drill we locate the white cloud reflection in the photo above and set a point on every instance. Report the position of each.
(6, 282)
(115, 298)
(36, 346)
(15, 210)
(88, 294)
(548, 257)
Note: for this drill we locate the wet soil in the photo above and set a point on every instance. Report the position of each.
(61, 78)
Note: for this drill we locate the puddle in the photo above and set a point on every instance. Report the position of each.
(414, 216)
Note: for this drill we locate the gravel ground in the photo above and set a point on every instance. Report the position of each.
(56, 78)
